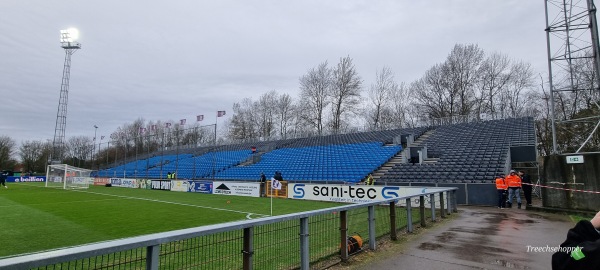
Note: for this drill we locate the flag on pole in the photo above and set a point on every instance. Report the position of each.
(168, 125)
(182, 122)
(275, 184)
(220, 113)
(199, 117)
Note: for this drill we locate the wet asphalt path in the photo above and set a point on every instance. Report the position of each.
(483, 238)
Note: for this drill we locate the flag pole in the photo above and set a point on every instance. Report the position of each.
(271, 197)
(214, 147)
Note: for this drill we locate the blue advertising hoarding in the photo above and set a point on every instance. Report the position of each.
(200, 186)
(17, 179)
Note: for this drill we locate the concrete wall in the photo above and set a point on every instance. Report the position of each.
(557, 173)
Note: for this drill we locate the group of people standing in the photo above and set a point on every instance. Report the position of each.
(510, 186)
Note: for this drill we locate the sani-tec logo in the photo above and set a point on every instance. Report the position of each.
(299, 191)
(390, 192)
(344, 193)
(222, 189)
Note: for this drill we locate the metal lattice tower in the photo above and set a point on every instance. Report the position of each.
(572, 42)
(58, 144)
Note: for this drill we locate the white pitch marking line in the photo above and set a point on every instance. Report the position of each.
(175, 203)
(80, 201)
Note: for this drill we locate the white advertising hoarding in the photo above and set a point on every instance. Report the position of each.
(181, 186)
(236, 188)
(352, 193)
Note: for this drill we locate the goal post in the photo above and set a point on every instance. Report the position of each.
(67, 177)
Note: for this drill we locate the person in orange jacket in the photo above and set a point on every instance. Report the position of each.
(514, 188)
(501, 187)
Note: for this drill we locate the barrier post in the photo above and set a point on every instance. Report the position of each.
(432, 202)
(152, 257)
(409, 225)
(422, 210)
(344, 235)
(248, 250)
(304, 247)
(372, 235)
(454, 204)
(393, 234)
(442, 213)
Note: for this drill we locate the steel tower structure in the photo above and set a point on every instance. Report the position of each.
(68, 42)
(572, 39)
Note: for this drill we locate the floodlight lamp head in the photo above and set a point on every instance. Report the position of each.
(68, 38)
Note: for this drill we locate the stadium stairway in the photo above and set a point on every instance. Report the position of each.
(421, 142)
(399, 158)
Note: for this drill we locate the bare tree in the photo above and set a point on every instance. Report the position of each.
(495, 76)
(284, 109)
(432, 94)
(264, 110)
(7, 148)
(314, 87)
(345, 92)
(401, 111)
(521, 79)
(34, 155)
(462, 68)
(241, 125)
(79, 148)
(380, 94)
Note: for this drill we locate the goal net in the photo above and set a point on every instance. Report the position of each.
(67, 177)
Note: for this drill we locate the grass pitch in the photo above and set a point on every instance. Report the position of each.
(34, 218)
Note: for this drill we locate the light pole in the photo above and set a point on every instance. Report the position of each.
(94, 148)
(68, 41)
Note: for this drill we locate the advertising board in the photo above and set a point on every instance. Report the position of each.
(179, 185)
(22, 179)
(200, 186)
(236, 188)
(101, 181)
(161, 184)
(129, 183)
(192, 186)
(351, 193)
(144, 183)
(116, 182)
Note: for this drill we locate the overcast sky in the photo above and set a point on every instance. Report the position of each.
(170, 60)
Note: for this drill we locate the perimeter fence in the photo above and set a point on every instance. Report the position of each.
(306, 240)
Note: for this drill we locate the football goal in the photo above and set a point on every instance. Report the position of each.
(67, 177)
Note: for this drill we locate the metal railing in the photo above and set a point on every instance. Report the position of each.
(304, 240)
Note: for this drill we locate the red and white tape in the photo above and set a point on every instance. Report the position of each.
(569, 189)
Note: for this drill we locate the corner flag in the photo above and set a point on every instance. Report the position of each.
(275, 184)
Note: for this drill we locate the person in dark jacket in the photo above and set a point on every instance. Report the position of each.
(3, 176)
(584, 239)
(263, 181)
(278, 176)
(526, 185)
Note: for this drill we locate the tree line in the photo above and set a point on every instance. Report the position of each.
(333, 98)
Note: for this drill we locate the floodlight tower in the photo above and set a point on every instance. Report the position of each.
(68, 41)
(572, 39)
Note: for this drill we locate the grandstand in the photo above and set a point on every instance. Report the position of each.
(464, 155)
